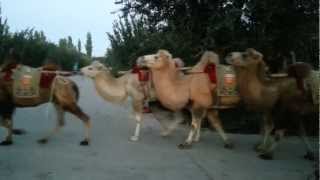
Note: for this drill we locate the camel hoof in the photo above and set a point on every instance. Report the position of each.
(164, 134)
(43, 141)
(258, 148)
(84, 143)
(134, 138)
(18, 131)
(6, 143)
(185, 146)
(196, 140)
(309, 156)
(266, 156)
(229, 145)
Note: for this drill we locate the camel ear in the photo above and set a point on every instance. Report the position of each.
(254, 53)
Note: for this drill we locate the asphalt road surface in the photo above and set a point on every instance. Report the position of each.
(112, 156)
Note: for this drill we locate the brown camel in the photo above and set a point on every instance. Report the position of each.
(117, 90)
(62, 92)
(272, 97)
(194, 91)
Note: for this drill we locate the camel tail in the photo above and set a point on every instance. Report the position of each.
(299, 71)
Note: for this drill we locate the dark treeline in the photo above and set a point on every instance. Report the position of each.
(32, 48)
(188, 27)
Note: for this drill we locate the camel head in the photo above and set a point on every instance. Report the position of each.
(159, 60)
(248, 58)
(94, 68)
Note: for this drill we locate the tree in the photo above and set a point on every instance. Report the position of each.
(79, 46)
(188, 27)
(88, 45)
(70, 43)
(63, 43)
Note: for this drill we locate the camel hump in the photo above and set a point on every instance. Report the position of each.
(50, 67)
(300, 71)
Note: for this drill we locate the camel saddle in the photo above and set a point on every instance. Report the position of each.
(226, 81)
(27, 81)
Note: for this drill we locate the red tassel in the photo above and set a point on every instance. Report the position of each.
(210, 69)
(143, 75)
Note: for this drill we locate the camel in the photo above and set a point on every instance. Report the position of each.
(194, 91)
(62, 92)
(117, 90)
(272, 97)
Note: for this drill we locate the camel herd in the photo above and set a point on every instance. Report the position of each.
(176, 91)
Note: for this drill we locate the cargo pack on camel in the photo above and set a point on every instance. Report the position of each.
(23, 86)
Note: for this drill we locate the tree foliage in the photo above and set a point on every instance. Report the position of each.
(88, 45)
(188, 27)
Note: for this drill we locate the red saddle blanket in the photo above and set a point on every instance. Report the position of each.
(46, 79)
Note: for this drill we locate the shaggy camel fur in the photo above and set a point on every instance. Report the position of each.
(64, 95)
(176, 91)
(272, 97)
(117, 90)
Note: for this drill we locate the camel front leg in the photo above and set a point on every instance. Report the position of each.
(137, 105)
(198, 131)
(213, 116)
(267, 154)
(136, 134)
(197, 116)
(267, 129)
(7, 123)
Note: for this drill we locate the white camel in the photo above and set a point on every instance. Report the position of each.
(117, 90)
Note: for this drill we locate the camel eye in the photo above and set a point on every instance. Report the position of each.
(90, 68)
(156, 57)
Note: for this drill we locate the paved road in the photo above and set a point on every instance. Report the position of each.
(112, 156)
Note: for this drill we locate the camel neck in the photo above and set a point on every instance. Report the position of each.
(165, 76)
(247, 80)
(105, 76)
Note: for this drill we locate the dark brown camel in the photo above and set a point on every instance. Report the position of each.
(273, 97)
(62, 91)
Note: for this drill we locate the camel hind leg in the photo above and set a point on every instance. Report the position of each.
(76, 110)
(60, 123)
(310, 155)
(213, 117)
(66, 94)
